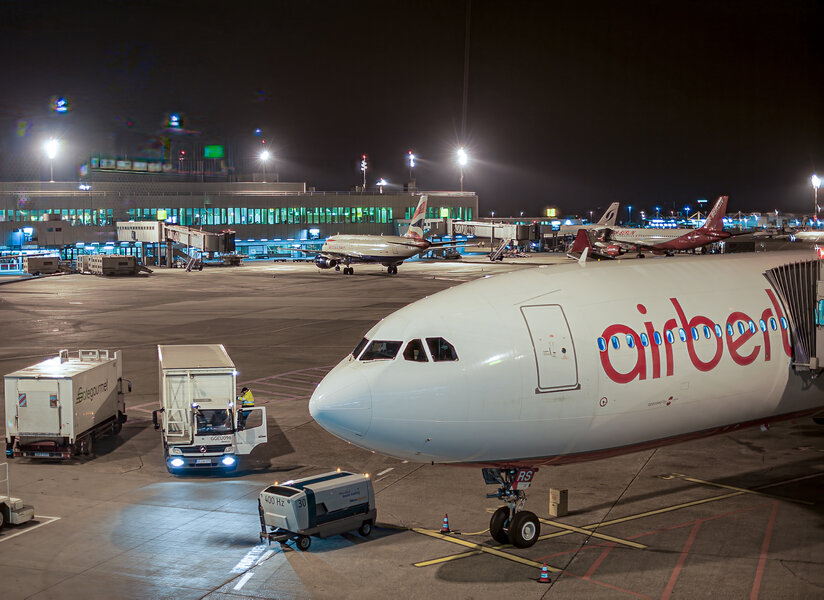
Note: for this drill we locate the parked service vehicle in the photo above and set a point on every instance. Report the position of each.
(321, 505)
(56, 408)
(202, 425)
(12, 510)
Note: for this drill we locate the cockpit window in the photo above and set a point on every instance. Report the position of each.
(381, 350)
(359, 348)
(414, 351)
(441, 350)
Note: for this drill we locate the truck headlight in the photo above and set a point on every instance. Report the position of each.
(176, 451)
(228, 461)
(227, 450)
(177, 462)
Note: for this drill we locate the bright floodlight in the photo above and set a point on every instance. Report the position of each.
(51, 148)
(816, 181)
(462, 157)
(383, 181)
(264, 155)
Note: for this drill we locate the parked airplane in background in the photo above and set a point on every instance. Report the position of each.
(607, 220)
(664, 241)
(583, 362)
(387, 250)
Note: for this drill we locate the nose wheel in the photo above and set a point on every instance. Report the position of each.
(511, 524)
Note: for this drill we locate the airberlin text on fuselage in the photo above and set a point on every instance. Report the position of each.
(653, 364)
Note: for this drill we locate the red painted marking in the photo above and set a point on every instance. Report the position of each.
(680, 564)
(598, 561)
(762, 560)
(607, 585)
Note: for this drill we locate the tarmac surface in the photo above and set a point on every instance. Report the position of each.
(735, 516)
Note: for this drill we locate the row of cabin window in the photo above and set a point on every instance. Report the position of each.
(670, 337)
(439, 348)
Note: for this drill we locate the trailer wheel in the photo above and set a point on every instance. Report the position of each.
(118, 423)
(304, 541)
(366, 528)
(2, 516)
(86, 446)
(498, 525)
(524, 530)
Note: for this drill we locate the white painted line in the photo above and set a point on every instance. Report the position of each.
(243, 580)
(248, 561)
(385, 471)
(27, 529)
(266, 555)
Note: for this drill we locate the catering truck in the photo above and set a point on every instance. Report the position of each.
(202, 424)
(56, 408)
(322, 505)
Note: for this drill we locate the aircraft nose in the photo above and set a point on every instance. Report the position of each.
(342, 403)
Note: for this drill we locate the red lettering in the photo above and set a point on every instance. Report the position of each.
(765, 316)
(697, 322)
(735, 344)
(670, 325)
(785, 337)
(640, 368)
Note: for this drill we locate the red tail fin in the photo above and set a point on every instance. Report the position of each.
(715, 220)
(581, 242)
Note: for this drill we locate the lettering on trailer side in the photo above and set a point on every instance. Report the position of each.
(90, 392)
(737, 347)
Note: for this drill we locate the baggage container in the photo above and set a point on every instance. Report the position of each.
(56, 408)
(321, 505)
(12, 510)
(41, 265)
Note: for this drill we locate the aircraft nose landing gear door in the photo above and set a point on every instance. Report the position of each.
(554, 351)
(251, 429)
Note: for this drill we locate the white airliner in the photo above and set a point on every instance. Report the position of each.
(617, 241)
(607, 220)
(572, 363)
(387, 250)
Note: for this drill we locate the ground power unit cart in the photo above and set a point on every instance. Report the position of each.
(322, 505)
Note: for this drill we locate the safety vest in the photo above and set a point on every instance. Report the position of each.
(248, 400)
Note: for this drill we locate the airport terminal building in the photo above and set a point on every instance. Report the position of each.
(72, 215)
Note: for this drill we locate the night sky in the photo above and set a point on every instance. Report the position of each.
(572, 104)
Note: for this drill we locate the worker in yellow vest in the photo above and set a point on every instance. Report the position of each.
(247, 401)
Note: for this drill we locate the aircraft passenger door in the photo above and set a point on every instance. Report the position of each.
(554, 351)
(253, 421)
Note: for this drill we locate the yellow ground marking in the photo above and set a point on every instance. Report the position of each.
(484, 549)
(569, 529)
(595, 534)
(753, 491)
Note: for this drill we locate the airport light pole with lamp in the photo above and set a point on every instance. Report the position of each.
(264, 158)
(410, 159)
(363, 167)
(816, 181)
(462, 160)
(51, 152)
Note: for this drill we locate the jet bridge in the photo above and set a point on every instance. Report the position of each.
(158, 232)
(801, 289)
(500, 235)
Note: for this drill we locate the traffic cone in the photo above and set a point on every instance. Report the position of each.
(544, 575)
(445, 528)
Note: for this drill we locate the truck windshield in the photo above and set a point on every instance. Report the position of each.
(210, 422)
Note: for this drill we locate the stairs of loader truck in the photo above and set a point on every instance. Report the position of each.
(801, 290)
(498, 252)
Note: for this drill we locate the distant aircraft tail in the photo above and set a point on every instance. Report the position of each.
(580, 244)
(715, 220)
(610, 215)
(415, 230)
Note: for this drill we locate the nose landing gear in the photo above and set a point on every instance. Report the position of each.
(511, 524)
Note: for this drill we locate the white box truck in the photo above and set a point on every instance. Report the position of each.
(321, 505)
(202, 424)
(56, 408)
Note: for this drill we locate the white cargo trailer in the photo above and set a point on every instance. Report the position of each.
(56, 408)
(321, 505)
(202, 425)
